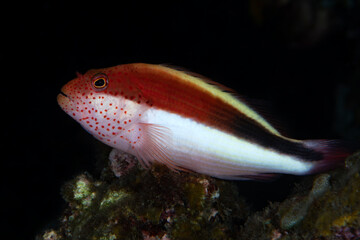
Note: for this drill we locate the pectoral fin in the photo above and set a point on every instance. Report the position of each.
(155, 146)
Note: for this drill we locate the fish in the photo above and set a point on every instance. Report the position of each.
(188, 122)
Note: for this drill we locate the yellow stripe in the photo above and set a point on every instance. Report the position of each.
(225, 97)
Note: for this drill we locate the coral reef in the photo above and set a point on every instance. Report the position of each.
(161, 204)
(327, 209)
(155, 204)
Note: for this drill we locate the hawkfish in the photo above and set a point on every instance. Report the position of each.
(189, 123)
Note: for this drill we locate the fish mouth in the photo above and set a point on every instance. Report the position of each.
(62, 93)
(63, 99)
(62, 96)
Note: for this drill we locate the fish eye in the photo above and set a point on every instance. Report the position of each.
(99, 81)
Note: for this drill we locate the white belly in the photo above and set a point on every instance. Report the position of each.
(209, 151)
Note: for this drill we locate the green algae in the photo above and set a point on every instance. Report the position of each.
(195, 195)
(113, 197)
(80, 191)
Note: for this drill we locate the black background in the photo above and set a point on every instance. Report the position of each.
(272, 56)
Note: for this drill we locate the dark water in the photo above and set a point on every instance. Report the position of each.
(299, 67)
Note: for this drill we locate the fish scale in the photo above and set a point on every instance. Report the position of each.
(188, 122)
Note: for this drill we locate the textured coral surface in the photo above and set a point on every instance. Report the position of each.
(161, 204)
(155, 204)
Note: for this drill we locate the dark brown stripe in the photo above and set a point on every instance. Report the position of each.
(256, 134)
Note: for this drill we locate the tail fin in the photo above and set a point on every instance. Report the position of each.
(334, 153)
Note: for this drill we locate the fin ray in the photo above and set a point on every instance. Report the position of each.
(156, 146)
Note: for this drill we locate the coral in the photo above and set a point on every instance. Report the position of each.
(299, 208)
(50, 235)
(327, 209)
(121, 162)
(150, 204)
(346, 233)
(162, 204)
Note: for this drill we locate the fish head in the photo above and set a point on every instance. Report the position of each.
(87, 95)
(101, 101)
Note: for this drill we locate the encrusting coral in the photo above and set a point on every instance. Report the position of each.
(161, 204)
(155, 204)
(327, 209)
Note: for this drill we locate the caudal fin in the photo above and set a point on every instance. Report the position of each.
(334, 153)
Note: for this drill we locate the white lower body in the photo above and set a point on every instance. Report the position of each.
(209, 151)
